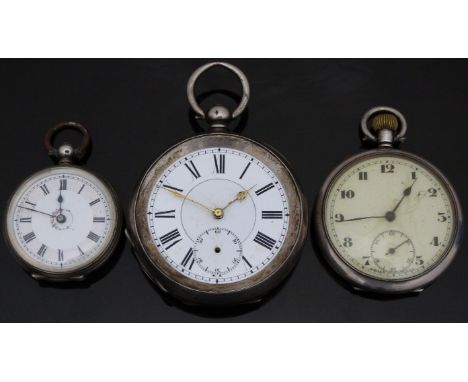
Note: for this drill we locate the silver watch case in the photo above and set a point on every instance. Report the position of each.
(366, 283)
(193, 292)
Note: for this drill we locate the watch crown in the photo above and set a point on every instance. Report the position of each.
(385, 121)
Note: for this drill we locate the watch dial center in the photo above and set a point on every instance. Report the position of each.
(218, 213)
(217, 250)
(61, 218)
(390, 216)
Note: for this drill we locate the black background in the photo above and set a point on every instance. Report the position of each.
(309, 110)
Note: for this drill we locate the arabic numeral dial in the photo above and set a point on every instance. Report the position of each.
(390, 217)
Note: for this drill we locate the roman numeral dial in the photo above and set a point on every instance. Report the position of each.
(218, 215)
(62, 220)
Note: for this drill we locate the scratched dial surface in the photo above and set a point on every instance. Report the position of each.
(61, 219)
(389, 217)
(218, 215)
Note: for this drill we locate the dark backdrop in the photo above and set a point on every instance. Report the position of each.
(308, 109)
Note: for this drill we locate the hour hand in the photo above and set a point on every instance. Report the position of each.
(406, 193)
(60, 200)
(241, 195)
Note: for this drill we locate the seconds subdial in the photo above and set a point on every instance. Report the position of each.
(392, 251)
(217, 251)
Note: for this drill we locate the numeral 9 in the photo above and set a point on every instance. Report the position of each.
(339, 218)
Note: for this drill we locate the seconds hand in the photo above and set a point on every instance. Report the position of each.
(391, 251)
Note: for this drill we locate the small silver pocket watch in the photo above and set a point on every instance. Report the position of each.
(218, 219)
(388, 221)
(63, 222)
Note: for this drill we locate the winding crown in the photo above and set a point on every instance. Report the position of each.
(385, 121)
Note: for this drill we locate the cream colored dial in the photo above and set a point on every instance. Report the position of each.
(389, 217)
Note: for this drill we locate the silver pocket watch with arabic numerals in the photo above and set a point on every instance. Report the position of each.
(387, 220)
(63, 222)
(218, 219)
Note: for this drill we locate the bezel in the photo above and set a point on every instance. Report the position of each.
(191, 291)
(364, 282)
(81, 271)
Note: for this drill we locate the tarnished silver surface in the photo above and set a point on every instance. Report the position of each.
(66, 154)
(197, 73)
(194, 292)
(358, 279)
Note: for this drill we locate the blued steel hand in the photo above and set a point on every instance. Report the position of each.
(363, 218)
(60, 200)
(40, 212)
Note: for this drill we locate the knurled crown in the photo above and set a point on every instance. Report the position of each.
(385, 121)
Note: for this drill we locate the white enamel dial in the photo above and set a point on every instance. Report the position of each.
(389, 217)
(218, 215)
(61, 219)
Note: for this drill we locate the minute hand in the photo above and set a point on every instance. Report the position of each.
(363, 218)
(40, 212)
(182, 196)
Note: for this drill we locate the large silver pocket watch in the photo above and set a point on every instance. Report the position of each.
(218, 219)
(63, 222)
(387, 220)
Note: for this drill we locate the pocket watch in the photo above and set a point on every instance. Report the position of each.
(218, 219)
(387, 220)
(63, 222)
